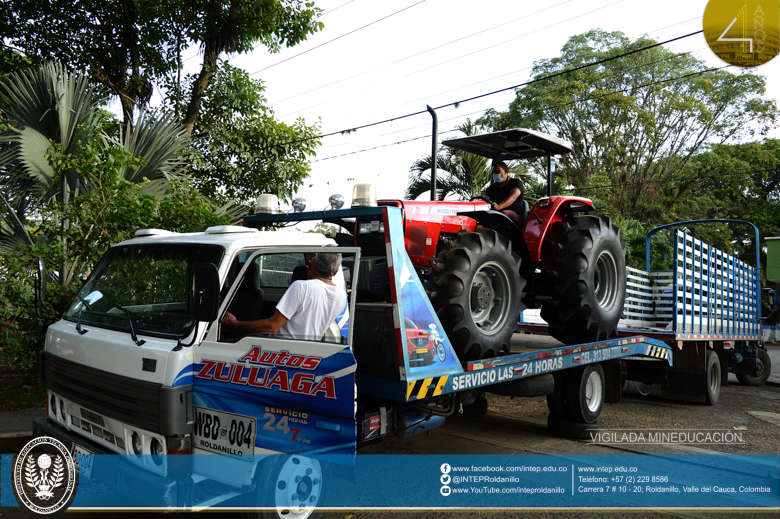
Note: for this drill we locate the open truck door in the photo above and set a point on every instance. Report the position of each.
(257, 394)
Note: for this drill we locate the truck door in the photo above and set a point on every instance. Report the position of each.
(258, 393)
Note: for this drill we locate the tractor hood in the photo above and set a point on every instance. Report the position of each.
(519, 143)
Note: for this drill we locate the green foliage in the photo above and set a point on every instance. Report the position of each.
(637, 121)
(110, 211)
(323, 228)
(21, 329)
(131, 46)
(239, 149)
(740, 181)
(43, 106)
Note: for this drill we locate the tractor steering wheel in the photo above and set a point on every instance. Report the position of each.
(484, 199)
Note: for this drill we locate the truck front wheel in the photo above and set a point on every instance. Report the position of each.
(476, 290)
(584, 270)
(294, 486)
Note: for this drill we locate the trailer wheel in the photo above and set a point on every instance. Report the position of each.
(476, 289)
(712, 377)
(294, 485)
(556, 401)
(764, 369)
(568, 429)
(584, 269)
(585, 393)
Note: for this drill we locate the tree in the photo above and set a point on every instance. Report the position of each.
(739, 181)
(635, 122)
(110, 212)
(466, 175)
(131, 46)
(54, 116)
(238, 147)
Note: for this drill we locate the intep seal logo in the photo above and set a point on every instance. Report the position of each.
(744, 33)
(44, 476)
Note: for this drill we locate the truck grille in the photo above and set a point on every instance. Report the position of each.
(131, 401)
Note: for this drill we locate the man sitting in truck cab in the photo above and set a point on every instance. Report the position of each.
(506, 194)
(308, 307)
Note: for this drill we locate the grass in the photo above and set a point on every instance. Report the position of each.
(20, 391)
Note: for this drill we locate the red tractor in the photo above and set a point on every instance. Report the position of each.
(481, 270)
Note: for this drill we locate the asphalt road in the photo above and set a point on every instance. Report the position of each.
(518, 427)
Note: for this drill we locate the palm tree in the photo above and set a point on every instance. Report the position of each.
(53, 108)
(466, 175)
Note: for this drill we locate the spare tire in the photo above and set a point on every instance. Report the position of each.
(584, 271)
(476, 290)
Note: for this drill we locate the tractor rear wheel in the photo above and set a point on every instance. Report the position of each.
(476, 290)
(584, 269)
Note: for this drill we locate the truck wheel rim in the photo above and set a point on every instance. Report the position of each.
(759, 368)
(298, 488)
(714, 378)
(606, 280)
(593, 391)
(491, 294)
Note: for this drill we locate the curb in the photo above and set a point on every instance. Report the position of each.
(13, 443)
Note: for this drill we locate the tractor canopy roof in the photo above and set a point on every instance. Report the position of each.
(519, 143)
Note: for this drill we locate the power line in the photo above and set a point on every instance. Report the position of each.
(529, 82)
(337, 38)
(418, 54)
(459, 116)
(547, 108)
(260, 44)
(334, 9)
(455, 59)
(493, 79)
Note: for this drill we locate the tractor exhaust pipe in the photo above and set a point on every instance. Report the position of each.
(434, 146)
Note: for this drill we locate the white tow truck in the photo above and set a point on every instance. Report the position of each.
(141, 367)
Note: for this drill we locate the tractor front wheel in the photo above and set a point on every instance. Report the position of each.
(476, 289)
(584, 269)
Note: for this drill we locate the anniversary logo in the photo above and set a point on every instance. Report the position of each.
(745, 33)
(44, 476)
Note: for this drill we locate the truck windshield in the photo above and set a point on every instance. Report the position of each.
(150, 286)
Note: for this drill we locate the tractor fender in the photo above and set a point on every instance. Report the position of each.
(544, 213)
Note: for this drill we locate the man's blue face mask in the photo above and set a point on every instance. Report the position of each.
(496, 178)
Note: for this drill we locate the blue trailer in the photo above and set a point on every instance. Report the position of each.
(706, 307)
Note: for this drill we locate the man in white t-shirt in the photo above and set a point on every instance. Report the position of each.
(308, 307)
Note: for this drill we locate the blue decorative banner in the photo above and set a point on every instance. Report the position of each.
(428, 481)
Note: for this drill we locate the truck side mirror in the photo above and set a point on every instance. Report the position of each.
(770, 297)
(206, 292)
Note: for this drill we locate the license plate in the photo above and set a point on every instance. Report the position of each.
(422, 350)
(84, 460)
(224, 433)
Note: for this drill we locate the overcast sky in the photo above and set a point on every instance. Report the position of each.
(378, 60)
